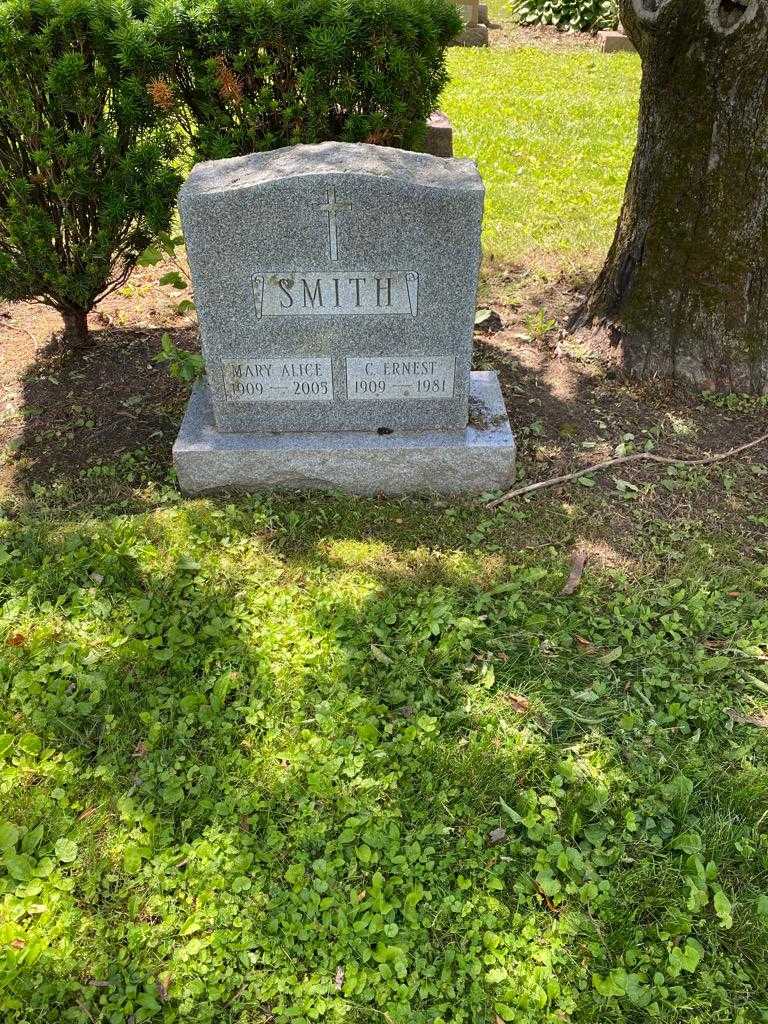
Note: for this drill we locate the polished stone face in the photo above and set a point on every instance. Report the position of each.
(335, 287)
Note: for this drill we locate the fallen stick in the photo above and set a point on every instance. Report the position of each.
(637, 457)
(22, 330)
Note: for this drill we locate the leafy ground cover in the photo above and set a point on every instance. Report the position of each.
(312, 759)
(292, 759)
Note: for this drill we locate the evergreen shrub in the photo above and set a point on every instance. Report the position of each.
(251, 75)
(99, 99)
(87, 174)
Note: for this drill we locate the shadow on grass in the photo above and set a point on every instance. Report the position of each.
(198, 725)
(235, 717)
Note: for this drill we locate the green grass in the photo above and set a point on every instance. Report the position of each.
(319, 759)
(255, 757)
(553, 135)
(498, 11)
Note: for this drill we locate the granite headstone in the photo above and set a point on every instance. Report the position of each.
(616, 41)
(329, 293)
(439, 137)
(335, 288)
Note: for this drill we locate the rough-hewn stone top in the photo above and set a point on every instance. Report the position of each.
(361, 159)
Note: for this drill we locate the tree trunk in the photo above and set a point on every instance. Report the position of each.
(684, 290)
(75, 336)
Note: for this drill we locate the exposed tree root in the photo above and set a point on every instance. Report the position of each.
(663, 460)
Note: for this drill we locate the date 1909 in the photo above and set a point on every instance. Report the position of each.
(298, 389)
(378, 387)
(310, 379)
(306, 379)
(396, 379)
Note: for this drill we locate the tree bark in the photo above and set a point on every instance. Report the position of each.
(75, 336)
(684, 290)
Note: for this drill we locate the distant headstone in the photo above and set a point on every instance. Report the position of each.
(470, 12)
(474, 32)
(335, 287)
(439, 138)
(616, 42)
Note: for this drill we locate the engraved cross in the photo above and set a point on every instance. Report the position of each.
(331, 207)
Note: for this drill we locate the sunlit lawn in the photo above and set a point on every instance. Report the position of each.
(315, 759)
(553, 134)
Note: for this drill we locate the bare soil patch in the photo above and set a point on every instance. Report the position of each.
(69, 417)
(74, 419)
(570, 410)
(509, 35)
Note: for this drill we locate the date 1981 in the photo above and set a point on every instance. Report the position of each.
(376, 387)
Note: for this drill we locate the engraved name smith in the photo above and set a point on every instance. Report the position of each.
(337, 292)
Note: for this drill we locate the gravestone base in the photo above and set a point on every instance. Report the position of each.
(615, 42)
(472, 35)
(475, 461)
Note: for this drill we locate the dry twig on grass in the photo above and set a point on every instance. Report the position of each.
(638, 457)
(761, 721)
